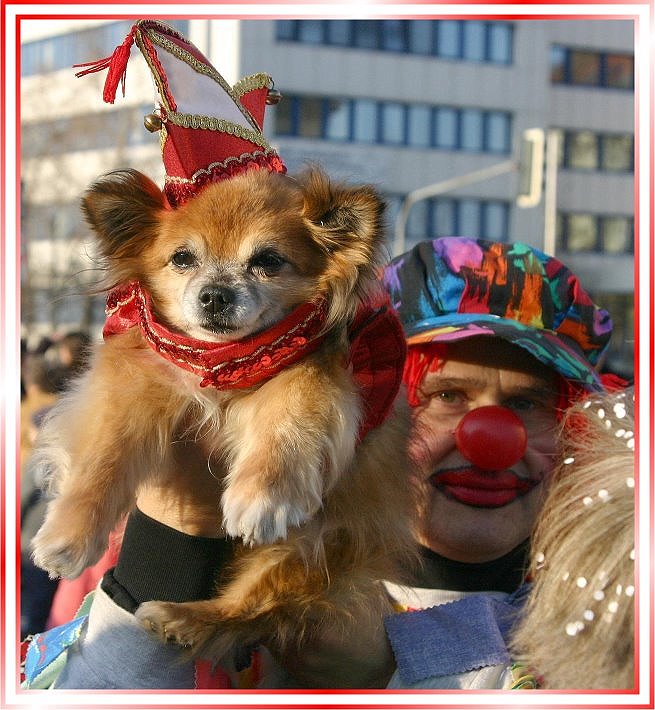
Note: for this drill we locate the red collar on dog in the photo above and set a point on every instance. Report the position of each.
(377, 351)
(232, 365)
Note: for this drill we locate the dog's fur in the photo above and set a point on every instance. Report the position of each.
(324, 520)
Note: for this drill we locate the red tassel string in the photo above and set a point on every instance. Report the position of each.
(117, 65)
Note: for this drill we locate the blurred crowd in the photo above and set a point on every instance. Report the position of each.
(46, 371)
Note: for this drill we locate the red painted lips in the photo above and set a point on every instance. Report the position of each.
(482, 489)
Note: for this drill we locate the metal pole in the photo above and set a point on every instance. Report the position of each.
(439, 188)
(550, 192)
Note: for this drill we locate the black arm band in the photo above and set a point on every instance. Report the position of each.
(157, 562)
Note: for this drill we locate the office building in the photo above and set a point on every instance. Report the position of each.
(400, 103)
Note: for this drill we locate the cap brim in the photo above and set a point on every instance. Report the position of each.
(546, 346)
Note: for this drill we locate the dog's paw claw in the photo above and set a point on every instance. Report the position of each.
(171, 623)
(63, 558)
(262, 521)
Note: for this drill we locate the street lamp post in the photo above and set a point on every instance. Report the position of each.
(529, 164)
(439, 188)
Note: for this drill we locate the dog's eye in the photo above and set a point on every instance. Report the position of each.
(184, 259)
(266, 263)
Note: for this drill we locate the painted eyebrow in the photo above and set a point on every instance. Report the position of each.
(439, 382)
(540, 391)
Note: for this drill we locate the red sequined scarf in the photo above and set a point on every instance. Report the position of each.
(377, 347)
(230, 365)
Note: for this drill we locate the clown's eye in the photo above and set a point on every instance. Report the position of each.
(447, 396)
(184, 259)
(522, 404)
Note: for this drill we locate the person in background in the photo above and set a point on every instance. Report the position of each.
(577, 630)
(68, 356)
(37, 589)
(45, 372)
(502, 339)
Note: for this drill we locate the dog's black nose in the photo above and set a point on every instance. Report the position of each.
(215, 299)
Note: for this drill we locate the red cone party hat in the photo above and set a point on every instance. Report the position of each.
(209, 130)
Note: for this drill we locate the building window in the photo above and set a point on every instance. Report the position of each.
(339, 32)
(582, 150)
(499, 42)
(617, 152)
(448, 216)
(497, 134)
(615, 234)
(449, 39)
(311, 32)
(619, 71)
(585, 232)
(285, 30)
(284, 117)
(394, 37)
(311, 125)
(366, 34)
(418, 221)
(472, 130)
(557, 65)
(420, 36)
(394, 123)
(494, 219)
(337, 122)
(586, 68)
(586, 150)
(469, 216)
(581, 232)
(474, 41)
(445, 128)
(419, 119)
(365, 121)
(469, 40)
(444, 218)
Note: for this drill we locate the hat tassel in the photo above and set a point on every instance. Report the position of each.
(117, 65)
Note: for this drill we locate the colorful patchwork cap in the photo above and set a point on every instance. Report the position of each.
(453, 288)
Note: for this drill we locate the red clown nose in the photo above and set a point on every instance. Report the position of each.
(491, 438)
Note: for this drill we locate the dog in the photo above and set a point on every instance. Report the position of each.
(322, 513)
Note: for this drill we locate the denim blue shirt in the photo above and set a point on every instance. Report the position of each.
(453, 638)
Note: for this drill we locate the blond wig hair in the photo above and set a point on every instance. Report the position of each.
(577, 631)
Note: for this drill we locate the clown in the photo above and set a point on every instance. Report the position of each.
(502, 339)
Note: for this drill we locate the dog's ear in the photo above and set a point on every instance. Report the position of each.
(347, 223)
(122, 208)
(344, 217)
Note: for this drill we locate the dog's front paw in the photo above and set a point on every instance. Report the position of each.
(175, 623)
(263, 518)
(62, 552)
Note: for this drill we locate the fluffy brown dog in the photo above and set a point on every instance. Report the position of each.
(322, 518)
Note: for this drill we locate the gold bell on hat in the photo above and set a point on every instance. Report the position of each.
(273, 96)
(152, 122)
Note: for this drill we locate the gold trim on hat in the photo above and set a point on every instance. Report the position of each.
(209, 123)
(251, 83)
(210, 168)
(196, 65)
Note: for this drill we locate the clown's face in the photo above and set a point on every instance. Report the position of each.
(468, 513)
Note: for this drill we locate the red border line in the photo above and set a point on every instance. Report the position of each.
(648, 547)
